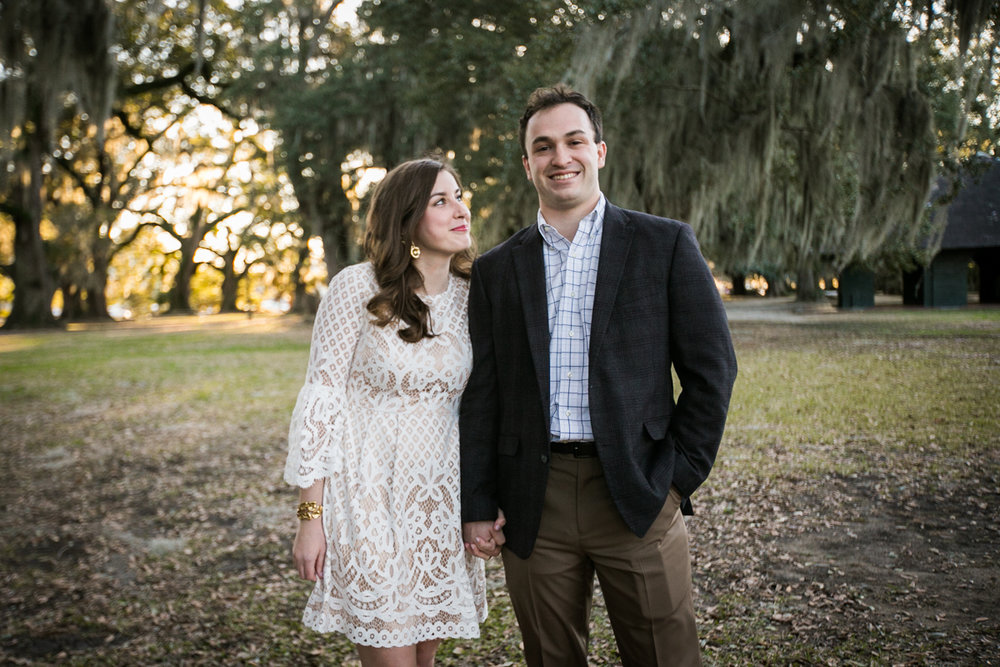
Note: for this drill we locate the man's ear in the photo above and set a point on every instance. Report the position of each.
(602, 153)
(527, 166)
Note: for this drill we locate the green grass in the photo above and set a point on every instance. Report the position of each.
(827, 388)
(145, 519)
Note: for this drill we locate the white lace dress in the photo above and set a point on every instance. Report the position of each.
(378, 420)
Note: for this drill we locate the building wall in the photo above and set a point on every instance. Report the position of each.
(856, 288)
(988, 260)
(943, 284)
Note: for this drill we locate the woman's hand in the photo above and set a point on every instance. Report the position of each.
(484, 539)
(309, 550)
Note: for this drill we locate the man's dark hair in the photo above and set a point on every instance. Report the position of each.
(544, 98)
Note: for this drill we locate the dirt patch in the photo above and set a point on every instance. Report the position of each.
(836, 561)
(148, 526)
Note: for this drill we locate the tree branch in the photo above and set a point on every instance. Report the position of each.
(158, 84)
(91, 193)
(130, 129)
(165, 225)
(130, 182)
(229, 214)
(115, 249)
(18, 213)
(205, 99)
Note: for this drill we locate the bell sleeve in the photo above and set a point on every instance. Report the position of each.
(318, 426)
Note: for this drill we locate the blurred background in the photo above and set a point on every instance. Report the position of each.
(203, 156)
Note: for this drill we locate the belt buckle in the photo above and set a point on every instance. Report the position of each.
(577, 453)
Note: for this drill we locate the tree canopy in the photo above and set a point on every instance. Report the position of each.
(220, 142)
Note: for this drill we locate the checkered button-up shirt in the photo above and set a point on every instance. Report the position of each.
(571, 278)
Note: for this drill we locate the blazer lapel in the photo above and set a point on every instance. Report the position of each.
(530, 275)
(615, 243)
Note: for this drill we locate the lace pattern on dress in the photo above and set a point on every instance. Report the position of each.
(315, 436)
(378, 419)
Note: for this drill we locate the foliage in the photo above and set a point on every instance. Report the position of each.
(468, 88)
(797, 137)
(795, 133)
(53, 60)
(300, 79)
(169, 64)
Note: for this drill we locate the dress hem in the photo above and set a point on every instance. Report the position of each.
(456, 633)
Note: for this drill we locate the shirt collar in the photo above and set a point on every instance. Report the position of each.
(590, 223)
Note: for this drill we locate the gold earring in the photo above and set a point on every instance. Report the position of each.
(414, 251)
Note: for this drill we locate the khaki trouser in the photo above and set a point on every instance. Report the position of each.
(646, 581)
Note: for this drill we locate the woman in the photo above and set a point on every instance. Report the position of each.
(373, 443)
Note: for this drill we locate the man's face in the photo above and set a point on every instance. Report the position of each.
(563, 159)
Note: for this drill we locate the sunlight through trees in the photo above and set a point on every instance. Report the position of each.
(213, 155)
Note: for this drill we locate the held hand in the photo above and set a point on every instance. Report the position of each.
(497, 532)
(309, 550)
(499, 524)
(478, 537)
(483, 539)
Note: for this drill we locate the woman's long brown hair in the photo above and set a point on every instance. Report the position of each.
(397, 206)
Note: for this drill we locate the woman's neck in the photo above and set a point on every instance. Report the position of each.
(435, 272)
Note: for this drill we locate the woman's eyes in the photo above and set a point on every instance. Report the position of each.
(444, 200)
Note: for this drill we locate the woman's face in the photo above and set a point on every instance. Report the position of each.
(446, 223)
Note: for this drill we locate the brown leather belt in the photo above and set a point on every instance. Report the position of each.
(578, 448)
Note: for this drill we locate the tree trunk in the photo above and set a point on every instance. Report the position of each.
(300, 305)
(807, 290)
(180, 294)
(775, 284)
(97, 280)
(72, 298)
(333, 249)
(33, 284)
(739, 284)
(230, 284)
(33, 287)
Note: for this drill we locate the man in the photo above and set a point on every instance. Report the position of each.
(569, 426)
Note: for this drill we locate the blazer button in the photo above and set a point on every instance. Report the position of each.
(545, 458)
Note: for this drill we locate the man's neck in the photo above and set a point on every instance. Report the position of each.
(567, 222)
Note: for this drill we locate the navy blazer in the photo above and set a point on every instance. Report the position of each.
(655, 306)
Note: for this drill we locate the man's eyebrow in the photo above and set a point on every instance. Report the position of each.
(568, 134)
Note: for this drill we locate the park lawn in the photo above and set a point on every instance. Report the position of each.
(851, 517)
